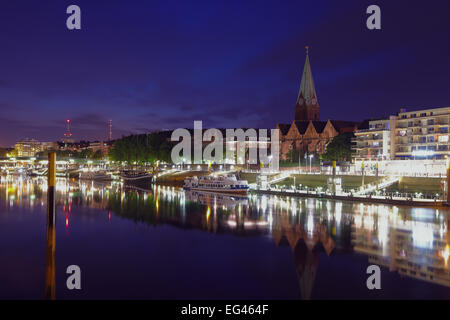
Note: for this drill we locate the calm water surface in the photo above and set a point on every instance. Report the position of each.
(164, 243)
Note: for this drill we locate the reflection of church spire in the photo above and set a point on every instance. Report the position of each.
(306, 263)
(306, 247)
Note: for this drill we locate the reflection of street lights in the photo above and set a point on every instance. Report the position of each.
(310, 161)
(270, 160)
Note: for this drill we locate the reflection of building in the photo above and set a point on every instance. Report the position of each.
(417, 249)
(415, 135)
(306, 133)
(414, 243)
(306, 244)
(215, 199)
(27, 147)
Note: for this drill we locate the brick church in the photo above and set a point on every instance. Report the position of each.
(307, 133)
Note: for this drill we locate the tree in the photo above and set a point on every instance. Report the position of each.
(294, 155)
(340, 148)
(143, 148)
(86, 154)
(3, 152)
(98, 155)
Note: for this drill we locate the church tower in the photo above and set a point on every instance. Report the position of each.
(307, 107)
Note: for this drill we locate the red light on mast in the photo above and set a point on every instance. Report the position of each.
(67, 134)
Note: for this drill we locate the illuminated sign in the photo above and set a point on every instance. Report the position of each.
(423, 153)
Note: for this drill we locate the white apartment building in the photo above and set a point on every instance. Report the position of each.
(27, 147)
(410, 135)
(373, 143)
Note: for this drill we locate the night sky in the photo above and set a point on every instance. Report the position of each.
(151, 65)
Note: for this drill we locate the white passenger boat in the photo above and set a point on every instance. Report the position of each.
(225, 184)
(213, 199)
(37, 172)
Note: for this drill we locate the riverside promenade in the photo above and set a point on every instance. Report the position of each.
(393, 199)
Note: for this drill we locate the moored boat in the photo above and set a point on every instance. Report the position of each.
(96, 175)
(37, 172)
(215, 199)
(224, 184)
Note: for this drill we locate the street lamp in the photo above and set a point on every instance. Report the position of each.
(310, 162)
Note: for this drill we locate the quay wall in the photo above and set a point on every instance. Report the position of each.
(406, 184)
(398, 202)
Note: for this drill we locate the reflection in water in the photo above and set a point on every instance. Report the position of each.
(50, 277)
(415, 246)
(411, 241)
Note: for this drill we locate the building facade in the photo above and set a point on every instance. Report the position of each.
(415, 249)
(50, 146)
(99, 145)
(307, 134)
(27, 148)
(409, 135)
(373, 143)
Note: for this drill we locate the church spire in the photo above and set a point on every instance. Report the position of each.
(307, 107)
(307, 88)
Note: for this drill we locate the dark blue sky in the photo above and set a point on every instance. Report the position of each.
(151, 65)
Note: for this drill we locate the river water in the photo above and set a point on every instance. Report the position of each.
(159, 242)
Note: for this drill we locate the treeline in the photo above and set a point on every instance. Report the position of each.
(83, 154)
(340, 148)
(142, 148)
(3, 152)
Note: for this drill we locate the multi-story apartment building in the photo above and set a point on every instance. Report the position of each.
(411, 135)
(49, 145)
(422, 134)
(373, 143)
(27, 147)
(99, 145)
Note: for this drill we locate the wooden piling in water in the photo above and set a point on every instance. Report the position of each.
(50, 279)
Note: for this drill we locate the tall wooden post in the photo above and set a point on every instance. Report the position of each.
(50, 280)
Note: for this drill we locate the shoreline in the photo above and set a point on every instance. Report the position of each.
(408, 203)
